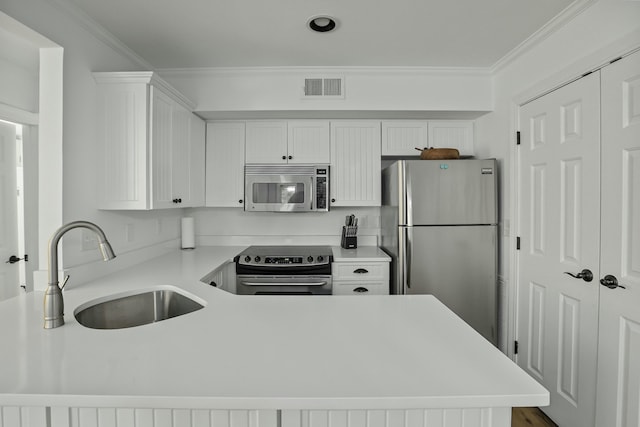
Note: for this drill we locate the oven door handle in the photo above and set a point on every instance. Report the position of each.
(283, 283)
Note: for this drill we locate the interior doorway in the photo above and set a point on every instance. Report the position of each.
(12, 244)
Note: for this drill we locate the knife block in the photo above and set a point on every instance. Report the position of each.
(348, 242)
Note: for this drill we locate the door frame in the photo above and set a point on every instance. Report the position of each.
(595, 61)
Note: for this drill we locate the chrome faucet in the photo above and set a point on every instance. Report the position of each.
(53, 301)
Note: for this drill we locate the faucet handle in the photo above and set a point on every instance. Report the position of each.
(64, 282)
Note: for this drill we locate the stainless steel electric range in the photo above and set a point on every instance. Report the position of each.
(284, 270)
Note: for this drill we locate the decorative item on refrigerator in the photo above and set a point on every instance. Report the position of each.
(188, 233)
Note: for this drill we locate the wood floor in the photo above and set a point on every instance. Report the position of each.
(530, 417)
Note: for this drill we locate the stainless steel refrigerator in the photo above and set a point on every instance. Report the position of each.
(439, 225)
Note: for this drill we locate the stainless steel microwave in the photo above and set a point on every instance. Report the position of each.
(286, 188)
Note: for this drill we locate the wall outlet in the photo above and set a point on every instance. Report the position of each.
(89, 240)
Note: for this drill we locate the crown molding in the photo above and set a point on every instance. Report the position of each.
(144, 77)
(557, 22)
(99, 32)
(373, 70)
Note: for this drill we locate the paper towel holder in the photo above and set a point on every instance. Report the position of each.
(187, 234)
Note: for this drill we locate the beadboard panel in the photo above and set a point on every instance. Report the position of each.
(138, 417)
(15, 416)
(470, 417)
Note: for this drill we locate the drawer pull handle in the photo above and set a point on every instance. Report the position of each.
(360, 271)
(360, 290)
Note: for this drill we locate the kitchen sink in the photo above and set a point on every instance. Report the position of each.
(135, 310)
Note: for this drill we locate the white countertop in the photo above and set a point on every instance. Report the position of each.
(361, 254)
(254, 352)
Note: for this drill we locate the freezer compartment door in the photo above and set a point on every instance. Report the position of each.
(447, 192)
(456, 264)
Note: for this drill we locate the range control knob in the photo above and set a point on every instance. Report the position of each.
(247, 258)
(320, 258)
(257, 259)
(310, 258)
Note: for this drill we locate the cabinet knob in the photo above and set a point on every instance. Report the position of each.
(333, 200)
(240, 201)
(360, 271)
(175, 200)
(284, 157)
(290, 157)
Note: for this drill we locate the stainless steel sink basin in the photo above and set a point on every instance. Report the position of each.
(135, 310)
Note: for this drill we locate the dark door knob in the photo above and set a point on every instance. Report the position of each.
(290, 157)
(240, 201)
(611, 282)
(585, 275)
(284, 157)
(13, 259)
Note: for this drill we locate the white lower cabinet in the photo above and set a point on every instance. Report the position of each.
(223, 277)
(360, 278)
(454, 417)
(148, 417)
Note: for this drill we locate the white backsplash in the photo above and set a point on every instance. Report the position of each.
(233, 226)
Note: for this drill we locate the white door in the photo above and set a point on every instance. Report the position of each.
(9, 281)
(559, 222)
(619, 344)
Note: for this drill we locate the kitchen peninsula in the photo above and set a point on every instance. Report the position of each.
(244, 361)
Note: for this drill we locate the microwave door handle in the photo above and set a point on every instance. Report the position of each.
(312, 192)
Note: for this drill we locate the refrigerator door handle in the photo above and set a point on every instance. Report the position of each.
(408, 255)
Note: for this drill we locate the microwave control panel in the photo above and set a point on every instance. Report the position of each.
(321, 189)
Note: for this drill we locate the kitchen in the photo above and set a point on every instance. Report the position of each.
(602, 25)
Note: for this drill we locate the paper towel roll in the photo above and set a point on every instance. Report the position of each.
(188, 233)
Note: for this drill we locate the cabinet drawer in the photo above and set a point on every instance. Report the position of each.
(363, 271)
(365, 288)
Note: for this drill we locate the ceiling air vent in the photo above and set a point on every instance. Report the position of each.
(324, 88)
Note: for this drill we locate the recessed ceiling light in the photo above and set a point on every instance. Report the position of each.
(321, 23)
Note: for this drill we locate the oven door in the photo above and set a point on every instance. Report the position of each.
(279, 193)
(283, 285)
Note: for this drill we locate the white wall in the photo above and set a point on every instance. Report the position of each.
(366, 89)
(83, 54)
(600, 33)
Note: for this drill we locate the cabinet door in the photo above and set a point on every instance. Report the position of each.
(196, 164)
(452, 134)
(162, 150)
(266, 142)
(181, 156)
(225, 164)
(402, 137)
(122, 146)
(355, 163)
(308, 142)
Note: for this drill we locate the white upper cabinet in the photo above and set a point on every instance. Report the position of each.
(149, 143)
(452, 134)
(298, 141)
(225, 164)
(266, 142)
(308, 142)
(402, 137)
(355, 163)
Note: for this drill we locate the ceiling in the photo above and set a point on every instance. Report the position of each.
(258, 33)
